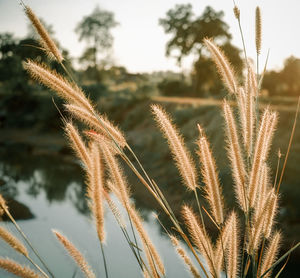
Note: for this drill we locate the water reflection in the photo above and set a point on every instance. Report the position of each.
(53, 191)
(50, 174)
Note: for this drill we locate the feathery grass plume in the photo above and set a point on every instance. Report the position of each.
(180, 153)
(250, 88)
(138, 223)
(47, 41)
(17, 269)
(146, 273)
(92, 121)
(241, 102)
(270, 132)
(3, 205)
(114, 209)
(235, 156)
(222, 243)
(270, 214)
(258, 158)
(116, 175)
(152, 266)
(115, 190)
(77, 144)
(236, 12)
(241, 98)
(210, 176)
(232, 255)
(51, 79)
(95, 189)
(75, 254)
(258, 32)
(120, 188)
(199, 237)
(99, 138)
(258, 225)
(13, 241)
(223, 66)
(270, 254)
(261, 151)
(184, 257)
(252, 77)
(263, 189)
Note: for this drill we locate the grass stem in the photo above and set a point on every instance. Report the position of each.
(27, 241)
(104, 259)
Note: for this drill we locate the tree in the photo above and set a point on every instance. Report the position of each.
(285, 82)
(188, 33)
(290, 76)
(95, 29)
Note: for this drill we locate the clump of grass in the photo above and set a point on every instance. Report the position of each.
(240, 240)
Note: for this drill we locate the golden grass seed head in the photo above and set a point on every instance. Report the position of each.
(270, 254)
(236, 12)
(224, 67)
(258, 32)
(182, 156)
(3, 205)
(47, 42)
(17, 269)
(75, 254)
(212, 187)
(13, 241)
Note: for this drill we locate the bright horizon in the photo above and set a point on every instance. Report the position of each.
(139, 41)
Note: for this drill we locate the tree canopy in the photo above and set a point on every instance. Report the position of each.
(285, 82)
(188, 32)
(95, 29)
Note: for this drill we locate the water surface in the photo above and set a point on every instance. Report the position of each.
(52, 194)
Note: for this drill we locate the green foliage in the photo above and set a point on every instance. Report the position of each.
(188, 33)
(18, 95)
(95, 29)
(174, 88)
(285, 82)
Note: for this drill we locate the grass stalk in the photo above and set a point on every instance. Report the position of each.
(280, 259)
(261, 255)
(277, 169)
(27, 240)
(289, 145)
(243, 41)
(254, 269)
(134, 236)
(36, 266)
(199, 208)
(104, 259)
(247, 227)
(224, 261)
(257, 93)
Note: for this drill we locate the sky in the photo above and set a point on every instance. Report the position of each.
(139, 41)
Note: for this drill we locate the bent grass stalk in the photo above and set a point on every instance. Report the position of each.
(17, 245)
(26, 239)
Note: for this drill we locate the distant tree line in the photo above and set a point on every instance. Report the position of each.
(187, 33)
(186, 30)
(285, 82)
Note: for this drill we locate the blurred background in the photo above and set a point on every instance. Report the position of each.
(127, 55)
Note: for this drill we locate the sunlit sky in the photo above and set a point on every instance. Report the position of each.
(139, 41)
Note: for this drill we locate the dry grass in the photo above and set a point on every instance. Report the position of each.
(241, 240)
